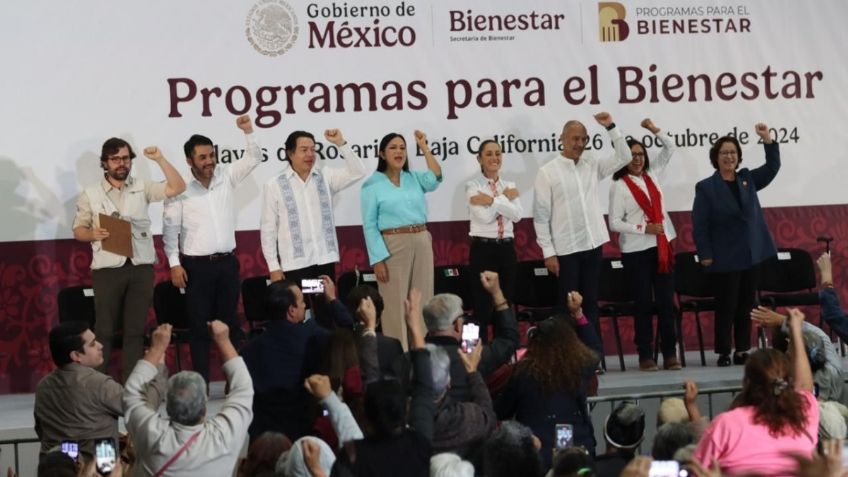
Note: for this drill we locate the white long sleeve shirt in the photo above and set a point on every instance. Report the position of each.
(205, 219)
(484, 218)
(292, 242)
(567, 214)
(625, 215)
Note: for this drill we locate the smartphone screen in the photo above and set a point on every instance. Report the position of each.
(564, 436)
(312, 285)
(470, 337)
(71, 449)
(664, 468)
(106, 455)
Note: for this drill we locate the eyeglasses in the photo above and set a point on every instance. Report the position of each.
(119, 159)
(727, 153)
(638, 155)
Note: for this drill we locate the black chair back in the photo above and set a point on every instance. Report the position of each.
(76, 303)
(253, 293)
(535, 287)
(614, 285)
(690, 279)
(353, 278)
(791, 270)
(169, 303)
(454, 279)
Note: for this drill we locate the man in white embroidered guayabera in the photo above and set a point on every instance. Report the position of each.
(123, 284)
(297, 226)
(567, 214)
(199, 232)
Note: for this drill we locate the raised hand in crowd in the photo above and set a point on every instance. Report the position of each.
(312, 458)
(492, 284)
(220, 333)
(766, 317)
(318, 385)
(604, 119)
(329, 288)
(335, 136)
(690, 400)
(159, 341)
(414, 319)
(825, 270)
(472, 360)
(762, 130)
(367, 313)
(649, 125)
(245, 124)
(574, 302)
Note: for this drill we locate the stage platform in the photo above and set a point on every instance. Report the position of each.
(16, 419)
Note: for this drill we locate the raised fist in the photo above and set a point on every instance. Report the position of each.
(420, 139)
(153, 153)
(334, 136)
(604, 119)
(245, 124)
(762, 130)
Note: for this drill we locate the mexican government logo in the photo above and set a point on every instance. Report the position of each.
(612, 26)
(271, 27)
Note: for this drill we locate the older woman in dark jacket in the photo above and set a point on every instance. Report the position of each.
(732, 238)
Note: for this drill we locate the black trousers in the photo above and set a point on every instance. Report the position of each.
(496, 257)
(320, 308)
(212, 293)
(651, 289)
(581, 271)
(735, 296)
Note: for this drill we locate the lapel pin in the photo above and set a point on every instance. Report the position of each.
(744, 183)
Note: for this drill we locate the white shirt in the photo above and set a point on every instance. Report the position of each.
(625, 215)
(205, 219)
(221, 437)
(567, 214)
(274, 226)
(484, 218)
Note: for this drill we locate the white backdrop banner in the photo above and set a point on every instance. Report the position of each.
(155, 72)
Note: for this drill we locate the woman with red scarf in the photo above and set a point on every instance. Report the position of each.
(638, 214)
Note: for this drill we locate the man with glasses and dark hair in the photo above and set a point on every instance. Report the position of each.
(199, 232)
(123, 286)
(567, 214)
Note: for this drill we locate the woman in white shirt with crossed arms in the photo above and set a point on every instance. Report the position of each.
(493, 207)
(638, 214)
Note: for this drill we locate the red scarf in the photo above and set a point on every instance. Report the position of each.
(653, 211)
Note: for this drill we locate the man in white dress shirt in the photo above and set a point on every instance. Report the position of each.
(567, 214)
(202, 259)
(297, 227)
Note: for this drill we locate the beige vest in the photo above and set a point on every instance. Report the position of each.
(134, 209)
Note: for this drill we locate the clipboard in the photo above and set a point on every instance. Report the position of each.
(119, 240)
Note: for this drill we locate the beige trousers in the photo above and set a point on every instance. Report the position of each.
(410, 266)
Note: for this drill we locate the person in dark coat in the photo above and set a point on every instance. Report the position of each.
(732, 238)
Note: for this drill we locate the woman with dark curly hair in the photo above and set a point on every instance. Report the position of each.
(774, 417)
(550, 384)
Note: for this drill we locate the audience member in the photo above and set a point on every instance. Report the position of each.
(396, 444)
(56, 464)
(300, 462)
(280, 358)
(512, 451)
(187, 442)
(460, 425)
(549, 385)
(624, 430)
(263, 454)
(831, 313)
(76, 401)
(389, 350)
(572, 462)
(450, 465)
(775, 414)
(670, 438)
(443, 317)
